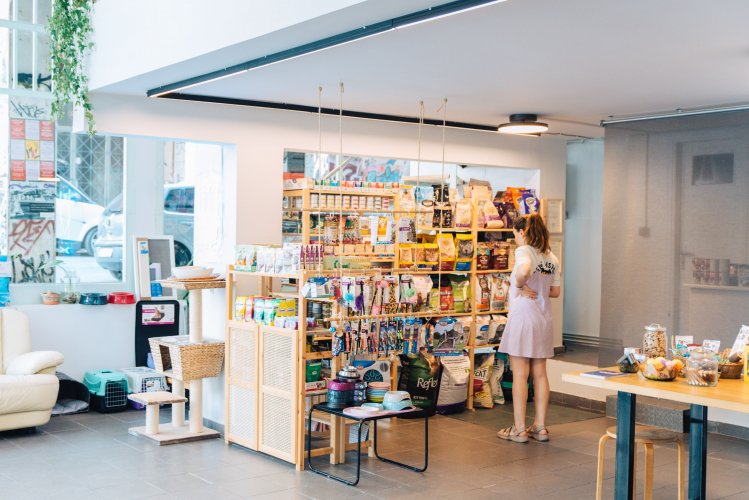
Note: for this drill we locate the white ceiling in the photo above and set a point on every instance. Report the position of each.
(572, 62)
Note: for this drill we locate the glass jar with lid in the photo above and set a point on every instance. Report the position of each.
(654, 341)
(702, 368)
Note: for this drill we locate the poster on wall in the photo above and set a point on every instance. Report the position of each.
(32, 200)
(32, 149)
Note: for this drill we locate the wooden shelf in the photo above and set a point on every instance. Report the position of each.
(402, 315)
(484, 313)
(386, 194)
(492, 271)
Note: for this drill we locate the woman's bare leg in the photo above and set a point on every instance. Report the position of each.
(519, 367)
(541, 390)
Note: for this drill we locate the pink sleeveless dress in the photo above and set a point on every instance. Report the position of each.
(529, 332)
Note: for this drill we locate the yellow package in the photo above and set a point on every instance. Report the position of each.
(239, 307)
(431, 256)
(406, 255)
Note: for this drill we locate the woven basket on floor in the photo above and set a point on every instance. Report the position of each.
(186, 360)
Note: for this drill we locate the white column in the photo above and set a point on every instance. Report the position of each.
(178, 409)
(196, 405)
(196, 315)
(152, 419)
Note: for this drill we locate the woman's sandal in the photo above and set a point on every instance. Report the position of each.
(535, 433)
(513, 434)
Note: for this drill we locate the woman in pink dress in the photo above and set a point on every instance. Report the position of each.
(528, 335)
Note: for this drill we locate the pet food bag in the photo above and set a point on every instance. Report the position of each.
(420, 376)
(482, 372)
(454, 384)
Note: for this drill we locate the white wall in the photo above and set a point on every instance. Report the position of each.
(582, 238)
(261, 136)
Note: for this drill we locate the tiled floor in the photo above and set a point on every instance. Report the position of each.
(92, 456)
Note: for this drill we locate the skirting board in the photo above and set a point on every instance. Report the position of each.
(170, 435)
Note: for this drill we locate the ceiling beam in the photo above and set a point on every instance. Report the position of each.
(403, 21)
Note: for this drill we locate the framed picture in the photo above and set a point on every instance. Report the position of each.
(552, 211)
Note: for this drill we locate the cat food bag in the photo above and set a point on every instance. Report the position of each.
(461, 293)
(464, 250)
(447, 252)
(498, 292)
(482, 330)
(482, 372)
(425, 217)
(406, 255)
(483, 256)
(463, 213)
(239, 307)
(420, 376)
(431, 256)
(496, 328)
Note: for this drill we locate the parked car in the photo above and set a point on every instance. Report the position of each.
(77, 220)
(179, 205)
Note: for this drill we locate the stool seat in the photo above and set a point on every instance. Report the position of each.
(645, 434)
(156, 398)
(648, 437)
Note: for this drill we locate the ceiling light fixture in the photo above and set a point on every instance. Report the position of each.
(523, 124)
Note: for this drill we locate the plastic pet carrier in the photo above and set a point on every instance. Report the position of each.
(108, 390)
(143, 379)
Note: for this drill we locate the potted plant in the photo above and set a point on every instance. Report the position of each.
(70, 29)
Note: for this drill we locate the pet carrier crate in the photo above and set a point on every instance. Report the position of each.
(108, 390)
(143, 379)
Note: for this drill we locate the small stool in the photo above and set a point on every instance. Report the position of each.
(646, 436)
(152, 400)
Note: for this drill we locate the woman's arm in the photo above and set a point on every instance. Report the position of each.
(555, 291)
(522, 274)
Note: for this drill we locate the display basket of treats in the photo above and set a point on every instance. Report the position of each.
(730, 365)
(661, 369)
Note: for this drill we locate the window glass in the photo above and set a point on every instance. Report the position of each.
(180, 200)
(23, 59)
(43, 76)
(88, 207)
(4, 56)
(43, 11)
(25, 10)
(6, 9)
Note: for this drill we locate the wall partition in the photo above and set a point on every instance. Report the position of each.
(675, 229)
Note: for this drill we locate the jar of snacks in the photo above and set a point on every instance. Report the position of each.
(654, 341)
(702, 368)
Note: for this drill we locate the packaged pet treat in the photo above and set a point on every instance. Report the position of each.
(239, 307)
(249, 313)
(483, 257)
(498, 291)
(447, 252)
(406, 256)
(441, 193)
(278, 260)
(484, 293)
(530, 202)
(482, 330)
(408, 293)
(425, 217)
(446, 296)
(443, 215)
(501, 257)
(423, 285)
(418, 251)
(431, 256)
(464, 249)
(461, 293)
(407, 230)
(434, 300)
(496, 328)
(463, 213)
(488, 215)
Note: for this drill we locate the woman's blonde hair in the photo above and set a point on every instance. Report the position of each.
(536, 234)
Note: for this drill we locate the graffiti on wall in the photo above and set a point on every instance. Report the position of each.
(357, 168)
(31, 245)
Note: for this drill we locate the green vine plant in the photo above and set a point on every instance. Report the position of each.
(70, 30)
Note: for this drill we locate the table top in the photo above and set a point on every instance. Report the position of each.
(729, 394)
(418, 412)
(156, 397)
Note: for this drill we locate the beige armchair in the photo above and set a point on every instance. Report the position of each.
(28, 385)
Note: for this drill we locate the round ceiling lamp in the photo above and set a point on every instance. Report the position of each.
(523, 123)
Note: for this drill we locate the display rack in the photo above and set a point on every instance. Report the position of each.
(299, 207)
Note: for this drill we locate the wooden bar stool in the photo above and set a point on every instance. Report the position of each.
(646, 436)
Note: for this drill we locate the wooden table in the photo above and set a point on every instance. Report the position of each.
(728, 395)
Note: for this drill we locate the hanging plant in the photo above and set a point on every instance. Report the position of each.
(69, 30)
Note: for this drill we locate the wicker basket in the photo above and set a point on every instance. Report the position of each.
(731, 370)
(177, 357)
